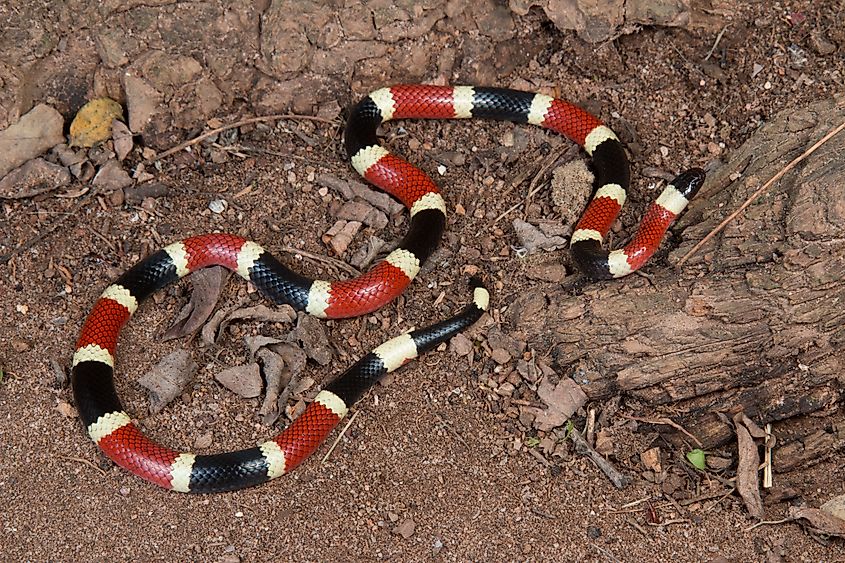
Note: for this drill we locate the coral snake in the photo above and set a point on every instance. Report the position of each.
(113, 430)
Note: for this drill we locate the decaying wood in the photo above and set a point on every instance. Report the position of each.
(810, 449)
(754, 322)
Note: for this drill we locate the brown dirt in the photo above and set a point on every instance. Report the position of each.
(434, 446)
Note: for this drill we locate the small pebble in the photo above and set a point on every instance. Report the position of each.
(406, 528)
(218, 205)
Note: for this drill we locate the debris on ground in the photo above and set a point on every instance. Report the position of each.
(168, 378)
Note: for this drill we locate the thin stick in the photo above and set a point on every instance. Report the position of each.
(339, 264)
(85, 461)
(339, 436)
(42, 235)
(716, 43)
(518, 205)
(767, 522)
(240, 123)
(762, 189)
(619, 479)
(667, 422)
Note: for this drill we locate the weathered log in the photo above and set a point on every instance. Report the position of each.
(810, 449)
(755, 321)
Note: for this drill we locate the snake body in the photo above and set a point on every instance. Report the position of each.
(112, 429)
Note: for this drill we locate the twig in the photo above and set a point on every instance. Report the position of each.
(668, 522)
(619, 479)
(516, 206)
(667, 422)
(451, 430)
(718, 500)
(85, 461)
(767, 522)
(339, 264)
(339, 436)
(41, 236)
(637, 527)
(762, 189)
(716, 43)
(240, 123)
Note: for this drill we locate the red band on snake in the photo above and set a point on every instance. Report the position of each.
(92, 377)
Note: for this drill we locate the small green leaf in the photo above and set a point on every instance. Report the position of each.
(532, 441)
(696, 458)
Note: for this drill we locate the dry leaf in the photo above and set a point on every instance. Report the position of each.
(208, 283)
(747, 482)
(244, 380)
(166, 380)
(562, 399)
(822, 522)
(93, 122)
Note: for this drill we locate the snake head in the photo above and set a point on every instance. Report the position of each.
(689, 182)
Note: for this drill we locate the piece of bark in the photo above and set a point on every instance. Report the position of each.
(810, 449)
(168, 378)
(747, 482)
(766, 402)
(218, 321)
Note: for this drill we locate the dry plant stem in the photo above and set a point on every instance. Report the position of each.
(339, 264)
(619, 479)
(339, 436)
(85, 461)
(716, 43)
(240, 123)
(666, 422)
(760, 191)
(768, 522)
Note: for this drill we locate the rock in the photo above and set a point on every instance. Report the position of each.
(243, 380)
(460, 345)
(35, 177)
(651, 459)
(35, 132)
(137, 194)
(406, 528)
(204, 441)
(602, 20)
(835, 507)
(500, 355)
(531, 238)
(554, 272)
(112, 176)
(142, 101)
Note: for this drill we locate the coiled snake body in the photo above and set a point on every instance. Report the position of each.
(93, 362)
